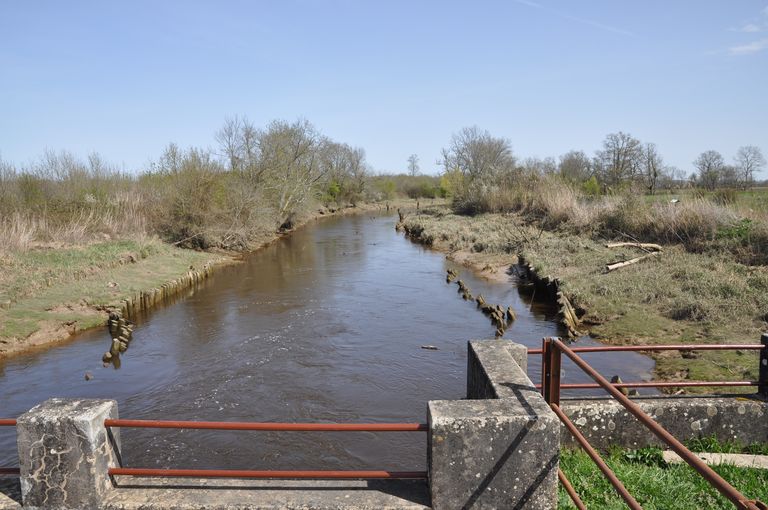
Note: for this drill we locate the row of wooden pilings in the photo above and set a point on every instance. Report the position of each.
(120, 324)
(147, 299)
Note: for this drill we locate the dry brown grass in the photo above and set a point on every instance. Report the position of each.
(123, 218)
(697, 223)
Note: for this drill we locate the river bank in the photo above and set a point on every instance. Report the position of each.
(676, 297)
(49, 293)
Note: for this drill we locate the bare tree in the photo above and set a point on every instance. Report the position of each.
(249, 148)
(486, 166)
(290, 163)
(575, 167)
(538, 166)
(478, 155)
(620, 158)
(652, 166)
(749, 159)
(345, 170)
(710, 166)
(230, 142)
(413, 165)
(729, 176)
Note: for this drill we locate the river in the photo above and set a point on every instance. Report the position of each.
(324, 325)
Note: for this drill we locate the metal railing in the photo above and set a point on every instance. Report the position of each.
(275, 427)
(552, 351)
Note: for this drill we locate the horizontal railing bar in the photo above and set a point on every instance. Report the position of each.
(597, 459)
(7, 422)
(660, 384)
(268, 426)
(683, 347)
(715, 480)
(10, 471)
(242, 473)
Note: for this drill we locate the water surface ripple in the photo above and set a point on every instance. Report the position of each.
(325, 325)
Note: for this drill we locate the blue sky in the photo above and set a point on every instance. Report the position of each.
(126, 78)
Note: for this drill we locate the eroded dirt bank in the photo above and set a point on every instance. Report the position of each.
(676, 297)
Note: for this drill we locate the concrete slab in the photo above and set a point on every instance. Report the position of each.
(606, 422)
(497, 369)
(715, 459)
(135, 493)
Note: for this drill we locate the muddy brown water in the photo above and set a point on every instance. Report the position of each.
(325, 325)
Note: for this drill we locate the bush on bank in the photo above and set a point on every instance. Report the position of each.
(254, 182)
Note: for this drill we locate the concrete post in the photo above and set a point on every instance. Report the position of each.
(762, 389)
(64, 453)
(502, 448)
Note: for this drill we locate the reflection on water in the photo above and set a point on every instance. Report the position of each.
(323, 326)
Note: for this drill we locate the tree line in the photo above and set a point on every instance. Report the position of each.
(476, 160)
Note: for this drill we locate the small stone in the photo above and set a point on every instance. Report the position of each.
(88, 376)
(429, 347)
(107, 357)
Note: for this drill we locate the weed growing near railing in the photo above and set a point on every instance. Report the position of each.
(654, 484)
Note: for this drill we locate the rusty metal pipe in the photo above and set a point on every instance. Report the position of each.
(10, 471)
(725, 488)
(7, 422)
(683, 347)
(291, 427)
(244, 473)
(570, 490)
(660, 384)
(597, 459)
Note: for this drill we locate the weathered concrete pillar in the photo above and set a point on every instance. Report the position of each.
(64, 453)
(499, 450)
(490, 372)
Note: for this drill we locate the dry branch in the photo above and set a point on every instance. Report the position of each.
(642, 246)
(619, 265)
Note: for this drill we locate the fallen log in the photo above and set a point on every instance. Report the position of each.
(642, 246)
(619, 265)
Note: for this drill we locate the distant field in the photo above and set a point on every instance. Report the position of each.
(754, 200)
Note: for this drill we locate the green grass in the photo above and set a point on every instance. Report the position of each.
(24, 273)
(654, 484)
(51, 288)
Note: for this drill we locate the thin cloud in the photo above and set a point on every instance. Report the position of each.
(583, 21)
(750, 28)
(748, 49)
(530, 4)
